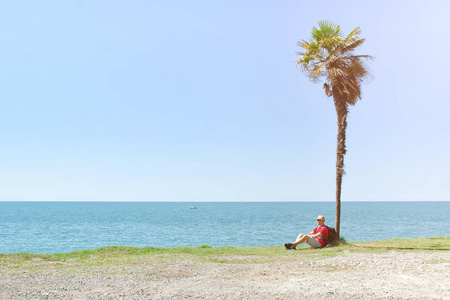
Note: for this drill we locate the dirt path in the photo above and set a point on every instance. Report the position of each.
(389, 275)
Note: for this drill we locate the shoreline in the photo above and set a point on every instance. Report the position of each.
(72, 226)
(422, 243)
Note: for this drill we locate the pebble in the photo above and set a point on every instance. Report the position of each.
(347, 276)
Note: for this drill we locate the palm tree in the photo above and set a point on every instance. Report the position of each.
(329, 55)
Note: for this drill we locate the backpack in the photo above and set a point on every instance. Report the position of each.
(332, 235)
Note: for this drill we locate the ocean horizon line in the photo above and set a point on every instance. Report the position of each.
(219, 201)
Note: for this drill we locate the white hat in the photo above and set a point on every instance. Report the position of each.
(321, 218)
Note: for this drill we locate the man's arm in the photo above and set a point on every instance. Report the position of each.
(315, 235)
(319, 234)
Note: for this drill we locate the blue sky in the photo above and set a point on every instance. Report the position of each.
(201, 100)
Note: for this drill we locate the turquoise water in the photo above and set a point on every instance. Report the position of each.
(53, 227)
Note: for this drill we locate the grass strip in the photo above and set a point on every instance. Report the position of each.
(120, 254)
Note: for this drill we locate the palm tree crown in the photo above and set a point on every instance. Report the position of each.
(329, 54)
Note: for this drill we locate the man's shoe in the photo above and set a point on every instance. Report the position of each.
(288, 246)
(293, 247)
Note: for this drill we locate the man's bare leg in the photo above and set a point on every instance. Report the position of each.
(301, 239)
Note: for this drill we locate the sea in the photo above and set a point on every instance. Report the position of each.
(57, 227)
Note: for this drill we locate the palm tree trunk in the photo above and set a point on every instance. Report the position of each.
(341, 111)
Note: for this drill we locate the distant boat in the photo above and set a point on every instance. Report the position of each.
(193, 207)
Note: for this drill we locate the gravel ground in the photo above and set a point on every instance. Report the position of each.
(389, 275)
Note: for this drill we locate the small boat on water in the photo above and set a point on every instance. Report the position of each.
(193, 207)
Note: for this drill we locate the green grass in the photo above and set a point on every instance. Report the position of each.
(427, 244)
(118, 255)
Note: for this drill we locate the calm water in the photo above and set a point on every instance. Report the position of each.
(52, 227)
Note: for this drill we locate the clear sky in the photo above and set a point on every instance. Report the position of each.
(201, 101)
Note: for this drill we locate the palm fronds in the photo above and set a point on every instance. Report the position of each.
(330, 55)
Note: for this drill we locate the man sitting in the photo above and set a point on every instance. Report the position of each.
(315, 239)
